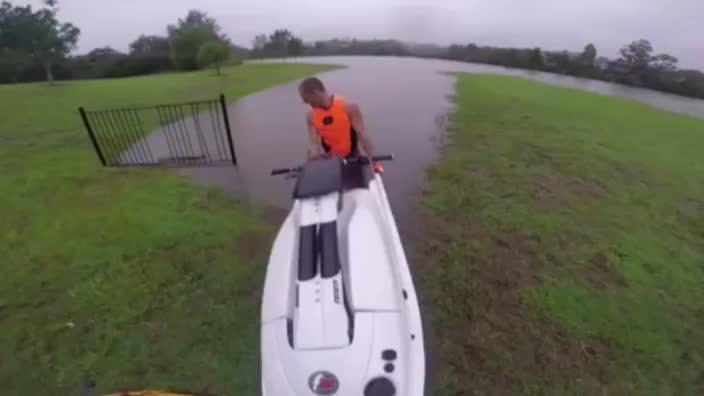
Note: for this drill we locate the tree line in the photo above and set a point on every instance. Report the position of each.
(280, 44)
(638, 65)
(35, 46)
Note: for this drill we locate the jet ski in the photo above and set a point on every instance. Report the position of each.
(340, 314)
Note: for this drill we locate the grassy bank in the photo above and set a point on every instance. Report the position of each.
(567, 245)
(132, 278)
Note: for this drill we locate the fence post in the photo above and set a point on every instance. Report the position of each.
(91, 134)
(227, 128)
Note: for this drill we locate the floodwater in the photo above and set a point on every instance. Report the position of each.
(405, 102)
(678, 104)
(404, 110)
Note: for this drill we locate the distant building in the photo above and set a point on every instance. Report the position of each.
(572, 56)
(602, 63)
(618, 67)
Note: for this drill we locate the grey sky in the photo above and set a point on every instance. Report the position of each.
(673, 26)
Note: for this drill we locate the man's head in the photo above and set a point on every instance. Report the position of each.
(313, 92)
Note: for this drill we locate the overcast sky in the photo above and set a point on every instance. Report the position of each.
(673, 26)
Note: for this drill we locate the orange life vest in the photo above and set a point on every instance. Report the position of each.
(335, 128)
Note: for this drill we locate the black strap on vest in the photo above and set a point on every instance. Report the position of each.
(353, 147)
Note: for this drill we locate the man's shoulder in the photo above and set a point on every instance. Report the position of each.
(351, 107)
(341, 100)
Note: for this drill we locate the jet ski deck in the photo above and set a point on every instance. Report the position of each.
(340, 314)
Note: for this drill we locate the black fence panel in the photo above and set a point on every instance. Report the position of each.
(179, 134)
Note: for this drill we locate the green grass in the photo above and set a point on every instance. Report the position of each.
(134, 278)
(567, 255)
(36, 108)
(562, 253)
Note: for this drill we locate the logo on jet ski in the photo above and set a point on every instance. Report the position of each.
(323, 383)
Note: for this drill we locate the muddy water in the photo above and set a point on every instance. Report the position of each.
(404, 101)
(404, 107)
(678, 104)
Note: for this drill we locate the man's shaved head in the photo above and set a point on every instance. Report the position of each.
(313, 92)
(311, 85)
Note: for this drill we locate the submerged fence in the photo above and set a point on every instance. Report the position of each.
(179, 134)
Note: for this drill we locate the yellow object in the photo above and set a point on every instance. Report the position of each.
(149, 393)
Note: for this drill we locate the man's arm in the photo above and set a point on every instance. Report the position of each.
(358, 124)
(313, 139)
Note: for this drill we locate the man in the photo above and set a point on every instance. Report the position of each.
(334, 124)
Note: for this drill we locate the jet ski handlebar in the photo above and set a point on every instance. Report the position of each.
(353, 160)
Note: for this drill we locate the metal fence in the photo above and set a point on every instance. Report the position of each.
(179, 134)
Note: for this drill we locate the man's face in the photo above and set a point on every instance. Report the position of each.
(313, 98)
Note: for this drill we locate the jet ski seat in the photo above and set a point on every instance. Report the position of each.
(323, 176)
(319, 177)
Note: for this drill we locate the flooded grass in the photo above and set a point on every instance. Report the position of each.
(562, 251)
(561, 247)
(131, 278)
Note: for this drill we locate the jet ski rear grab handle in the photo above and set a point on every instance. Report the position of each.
(354, 160)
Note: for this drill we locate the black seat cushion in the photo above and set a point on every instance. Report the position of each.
(307, 253)
(318, 177)
(329, 253)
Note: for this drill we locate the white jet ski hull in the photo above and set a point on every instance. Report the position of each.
(348, 328)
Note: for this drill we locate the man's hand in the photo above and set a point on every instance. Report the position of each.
(313, 139)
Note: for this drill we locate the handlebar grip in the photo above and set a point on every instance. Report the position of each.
(281, 171)
(386, 157)
(358, 160)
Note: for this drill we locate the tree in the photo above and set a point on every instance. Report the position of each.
(11, 65)
(105, 52)
(239, 53)
(278, 42)
(196, 18)
(588, 56)
(36, 35)
(295, 46)
(535, 60)
(259, 45)
(636, 55)
(559, 62)
(188, 35)
(664, 62)
(213, 53)
(455, 52)
(185, 47)
(150, 45)
(260, 42)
